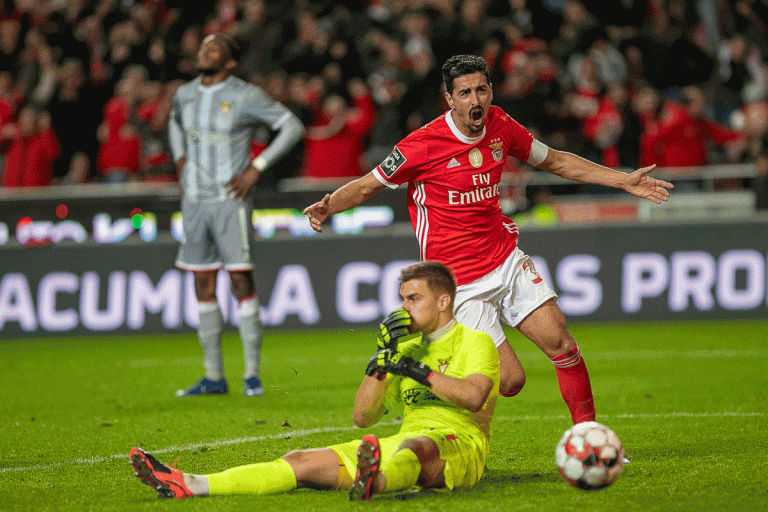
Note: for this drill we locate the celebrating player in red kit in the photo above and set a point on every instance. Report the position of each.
(453, 167)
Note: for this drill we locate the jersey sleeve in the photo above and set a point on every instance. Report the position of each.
(175, 133)
(518, 138)
(482, 355)
(260, 108)
(403, 165)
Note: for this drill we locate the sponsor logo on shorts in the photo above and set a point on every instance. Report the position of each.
(392, 163)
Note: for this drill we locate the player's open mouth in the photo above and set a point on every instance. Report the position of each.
(476, 114)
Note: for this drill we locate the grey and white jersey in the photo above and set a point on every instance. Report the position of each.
(212, 128)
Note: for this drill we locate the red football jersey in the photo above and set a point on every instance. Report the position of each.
(453, 191)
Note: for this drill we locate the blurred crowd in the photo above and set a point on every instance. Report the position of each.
(86, 86)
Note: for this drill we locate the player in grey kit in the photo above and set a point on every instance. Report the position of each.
(210, 132)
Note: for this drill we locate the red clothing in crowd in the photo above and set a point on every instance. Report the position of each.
(603, 128)
(121, 149)
(339, 155)
(29, 159)
(649, 153)
(680, 139)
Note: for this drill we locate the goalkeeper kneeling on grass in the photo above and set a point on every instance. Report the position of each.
(447, 376)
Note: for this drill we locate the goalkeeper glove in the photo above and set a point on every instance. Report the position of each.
(376, 366)
(405, 366)
(392, 328)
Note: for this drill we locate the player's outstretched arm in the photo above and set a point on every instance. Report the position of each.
(348, 196)
(638, 183)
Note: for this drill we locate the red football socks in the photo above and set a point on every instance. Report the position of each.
(573, 378)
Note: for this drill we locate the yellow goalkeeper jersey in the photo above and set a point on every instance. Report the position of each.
(456, 351)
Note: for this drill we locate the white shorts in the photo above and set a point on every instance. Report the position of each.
(508, 294)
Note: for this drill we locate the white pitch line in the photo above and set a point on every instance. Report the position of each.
(609, 355)
(348, 428)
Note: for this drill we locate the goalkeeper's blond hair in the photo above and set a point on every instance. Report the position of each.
(438, 277)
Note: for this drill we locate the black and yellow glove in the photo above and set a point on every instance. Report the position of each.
(388, 361)
(398, 364)
(376, 366)
(393, 327)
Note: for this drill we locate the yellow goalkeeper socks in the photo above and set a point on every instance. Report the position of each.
(401, 471)
(262, 478)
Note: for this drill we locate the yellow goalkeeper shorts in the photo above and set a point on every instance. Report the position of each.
(464, 453)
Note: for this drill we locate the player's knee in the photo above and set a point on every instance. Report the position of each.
(299, 463)
(561, 344)
(511, 384)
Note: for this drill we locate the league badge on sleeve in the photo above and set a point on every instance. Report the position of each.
(392, 163)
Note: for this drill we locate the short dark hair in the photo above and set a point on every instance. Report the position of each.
(460, 65)
(232, 46)
(438, 277)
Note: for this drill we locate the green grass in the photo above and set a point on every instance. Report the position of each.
(688, 400)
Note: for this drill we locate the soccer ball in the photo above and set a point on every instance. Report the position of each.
(589, 456)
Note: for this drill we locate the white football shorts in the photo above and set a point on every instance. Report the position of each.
(507, 294)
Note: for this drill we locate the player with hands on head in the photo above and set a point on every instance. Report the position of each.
(453, 169)
(446, 377)
(210, 129)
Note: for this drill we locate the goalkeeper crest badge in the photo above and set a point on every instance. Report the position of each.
(443, 364)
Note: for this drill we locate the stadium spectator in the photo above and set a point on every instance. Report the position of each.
(684, 131)
(215, 202)
(292, 93)
(457, 220)
(120, 150)
(668, 44)
(7, 101)
(151, 118)
(443, 440)
(76, 97)
(31, 147)
(390, 124)
(647, 103)
(742, 76)
(628, 141)
(79, 170)
(260, 36)
(334, 146)
(186, 55)
(11, 48)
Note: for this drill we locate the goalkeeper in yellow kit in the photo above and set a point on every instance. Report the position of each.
(447, 376)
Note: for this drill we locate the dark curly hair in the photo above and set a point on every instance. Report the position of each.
(460, 65)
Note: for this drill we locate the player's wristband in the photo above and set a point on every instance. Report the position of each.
(417, 371)
(259, 163)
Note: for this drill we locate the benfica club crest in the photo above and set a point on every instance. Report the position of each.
(498, 151)
(443, 364)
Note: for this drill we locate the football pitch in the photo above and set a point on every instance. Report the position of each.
(689, 400)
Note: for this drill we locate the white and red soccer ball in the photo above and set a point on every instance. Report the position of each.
(590, 456)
